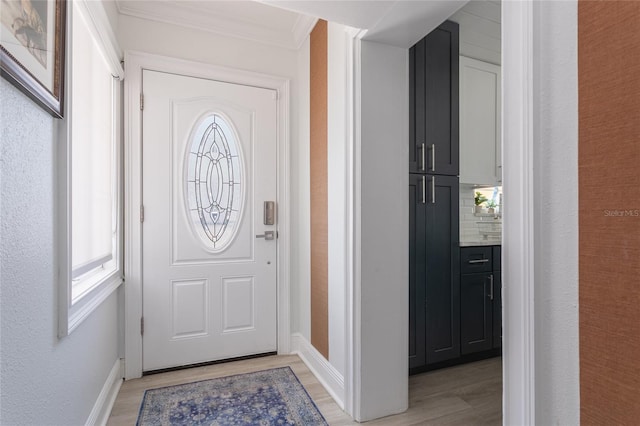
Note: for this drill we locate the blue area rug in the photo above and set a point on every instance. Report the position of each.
(269, 397)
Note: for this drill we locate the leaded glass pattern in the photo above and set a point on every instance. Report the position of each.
(214, 182)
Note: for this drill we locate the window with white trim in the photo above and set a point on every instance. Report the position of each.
(91, 215)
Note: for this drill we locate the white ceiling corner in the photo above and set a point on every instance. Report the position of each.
(407, 22)
(398, 23)
(249, 20)
(362, 14)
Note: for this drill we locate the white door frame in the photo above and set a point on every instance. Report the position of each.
(135, 62)
(519, 226)
(518, 231)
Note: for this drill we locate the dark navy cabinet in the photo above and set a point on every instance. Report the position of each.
(434, 274)
(480, 299)
(434, 102)
(434, 255)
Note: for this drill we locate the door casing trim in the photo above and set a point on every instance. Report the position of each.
(135, 63)
(519, 266)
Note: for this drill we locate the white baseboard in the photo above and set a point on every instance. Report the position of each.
(326, 373)
(102, 408)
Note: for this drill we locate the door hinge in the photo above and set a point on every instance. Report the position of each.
(142, 326)
(141, 214)
(141, 102)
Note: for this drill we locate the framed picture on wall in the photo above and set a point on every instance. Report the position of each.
(32, 42)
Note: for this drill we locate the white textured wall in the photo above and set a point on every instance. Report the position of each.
(556, 189)
(44, 380)
(384, 211)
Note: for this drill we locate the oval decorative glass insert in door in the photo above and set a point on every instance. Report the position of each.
(214, 182)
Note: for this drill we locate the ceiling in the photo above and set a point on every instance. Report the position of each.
(286, 23)
(480, 30)
(399, 23)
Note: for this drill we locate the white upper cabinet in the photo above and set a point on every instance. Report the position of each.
(480, 127)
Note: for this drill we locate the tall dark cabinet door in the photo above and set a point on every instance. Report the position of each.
(442, 270)
(433, 102)
(417, 270)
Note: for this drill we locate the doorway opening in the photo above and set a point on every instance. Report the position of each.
(455, 230)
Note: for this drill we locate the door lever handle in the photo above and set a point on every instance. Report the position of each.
(268, 235)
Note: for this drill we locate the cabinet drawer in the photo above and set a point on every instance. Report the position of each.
(475, 259)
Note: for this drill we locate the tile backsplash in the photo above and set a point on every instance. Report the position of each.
(470, 229)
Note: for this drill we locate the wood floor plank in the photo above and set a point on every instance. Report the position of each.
(464, 395)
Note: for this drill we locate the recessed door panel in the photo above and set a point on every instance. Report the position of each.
(238, 296)
(189, 308)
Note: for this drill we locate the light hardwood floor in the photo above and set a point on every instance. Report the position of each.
(469, 394)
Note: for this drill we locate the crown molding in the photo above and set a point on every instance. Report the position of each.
(189, 16)
(302, 28)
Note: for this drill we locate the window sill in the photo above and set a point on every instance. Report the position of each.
(87, 283)
(90, 301)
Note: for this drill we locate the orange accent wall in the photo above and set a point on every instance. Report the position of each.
(609, 184)
(319, 212)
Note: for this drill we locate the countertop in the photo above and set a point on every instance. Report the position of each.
(480, 243)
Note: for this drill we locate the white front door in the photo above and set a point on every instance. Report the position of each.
(209, 164)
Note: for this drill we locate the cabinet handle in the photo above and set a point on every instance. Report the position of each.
(433, 190)
(491, 287)
(433, 157)
(424, 190)
(424, 160)
(479, 261)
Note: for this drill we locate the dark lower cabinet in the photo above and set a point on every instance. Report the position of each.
(476, 313)
(480, 300)
(434, 274)
(455, 297)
